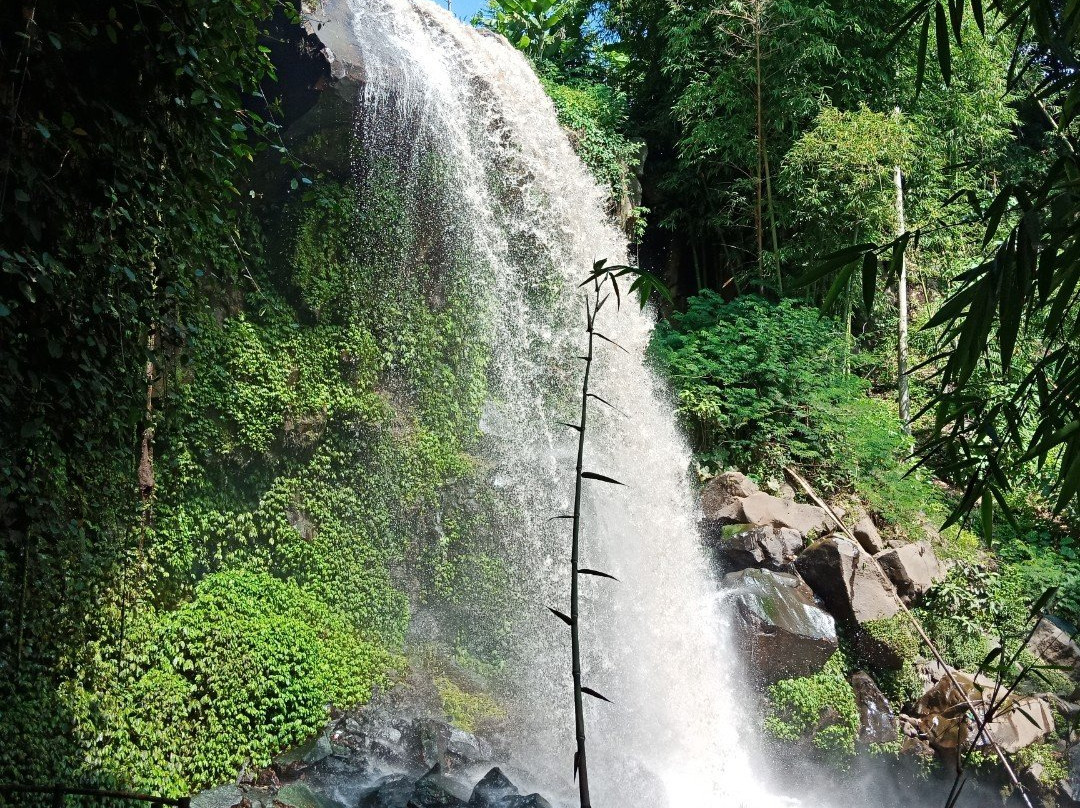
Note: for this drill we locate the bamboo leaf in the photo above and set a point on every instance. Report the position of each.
(839, 284)
(920, 67)
(608, 403)
(591, 475)
(978, 16)
(561, 616)
(944, 48)
(869, 281)
(1058, 437)
(575, 427)
(956, 17)
(595, 694)
(1044, 598)
(613, 342)
(832, 262)
(986, 514)
(561, 516)
(585, 571)
(994, 654)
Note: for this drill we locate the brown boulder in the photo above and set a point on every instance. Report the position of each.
(1055, 646)
(723, 489)
(763, 509)
(945, 720)
(847, 581)
(913, 569)
(868, 536)
(774, 548)
(785, 632)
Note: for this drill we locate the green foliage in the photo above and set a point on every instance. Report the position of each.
(544, 29)
(839, 175)
(305, 436)
(903, 686)
(467, 710)
(896, 633)
(229, 679)
(1054, 763)
(746, 398)
(819, 708)
(595, 116)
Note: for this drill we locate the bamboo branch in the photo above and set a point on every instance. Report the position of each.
(915, 622)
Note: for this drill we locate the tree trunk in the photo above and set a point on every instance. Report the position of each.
(902, 304)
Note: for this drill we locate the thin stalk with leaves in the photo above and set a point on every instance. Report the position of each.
(645, 284)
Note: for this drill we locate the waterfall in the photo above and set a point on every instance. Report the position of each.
(532, 220)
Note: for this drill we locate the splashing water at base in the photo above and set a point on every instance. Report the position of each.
(533, 222)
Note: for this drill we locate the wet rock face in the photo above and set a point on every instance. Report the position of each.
(846, 579)
(376, 758)
(769, 547)
(786, 634)
(877, 724)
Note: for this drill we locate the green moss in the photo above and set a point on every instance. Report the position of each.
(233, 677)
(1055, 766)
(306, 441)
(819, 708)
(467, 710)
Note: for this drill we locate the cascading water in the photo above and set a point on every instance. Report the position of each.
(532, 220)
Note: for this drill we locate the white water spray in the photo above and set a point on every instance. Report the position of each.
(533, 218)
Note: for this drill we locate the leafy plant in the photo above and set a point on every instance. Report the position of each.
(819, 708)
(599, 278)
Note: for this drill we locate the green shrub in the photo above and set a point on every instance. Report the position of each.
(761, 385)
(1055, 766)
(595, 115)
(466, 710)
(241, 672)
(820, 708)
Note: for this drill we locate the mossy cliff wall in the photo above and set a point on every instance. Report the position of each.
(312, 484)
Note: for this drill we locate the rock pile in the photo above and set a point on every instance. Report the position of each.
(796, 577)
(371, 759)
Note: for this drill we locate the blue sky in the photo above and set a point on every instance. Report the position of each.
(464, 9)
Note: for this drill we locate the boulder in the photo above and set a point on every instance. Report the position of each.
(877, 724)
(223, 797)
(913, 569)
(291, 763)
(1020, 723)
(494, 789)
(528, 801)
(390, 792)
(786, 633)
(774, 548)
(465, 749)
(847, 581)
(868, 536)
(723, 490)
(299, 795)
(945, 721)
(763, 509)
(1052, 642)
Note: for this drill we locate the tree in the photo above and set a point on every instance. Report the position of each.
(1023, 289)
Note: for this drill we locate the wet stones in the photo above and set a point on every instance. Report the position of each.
(787, 635)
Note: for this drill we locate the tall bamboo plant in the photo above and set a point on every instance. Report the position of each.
(645, 284)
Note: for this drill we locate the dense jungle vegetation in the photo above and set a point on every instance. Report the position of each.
(235, 457)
